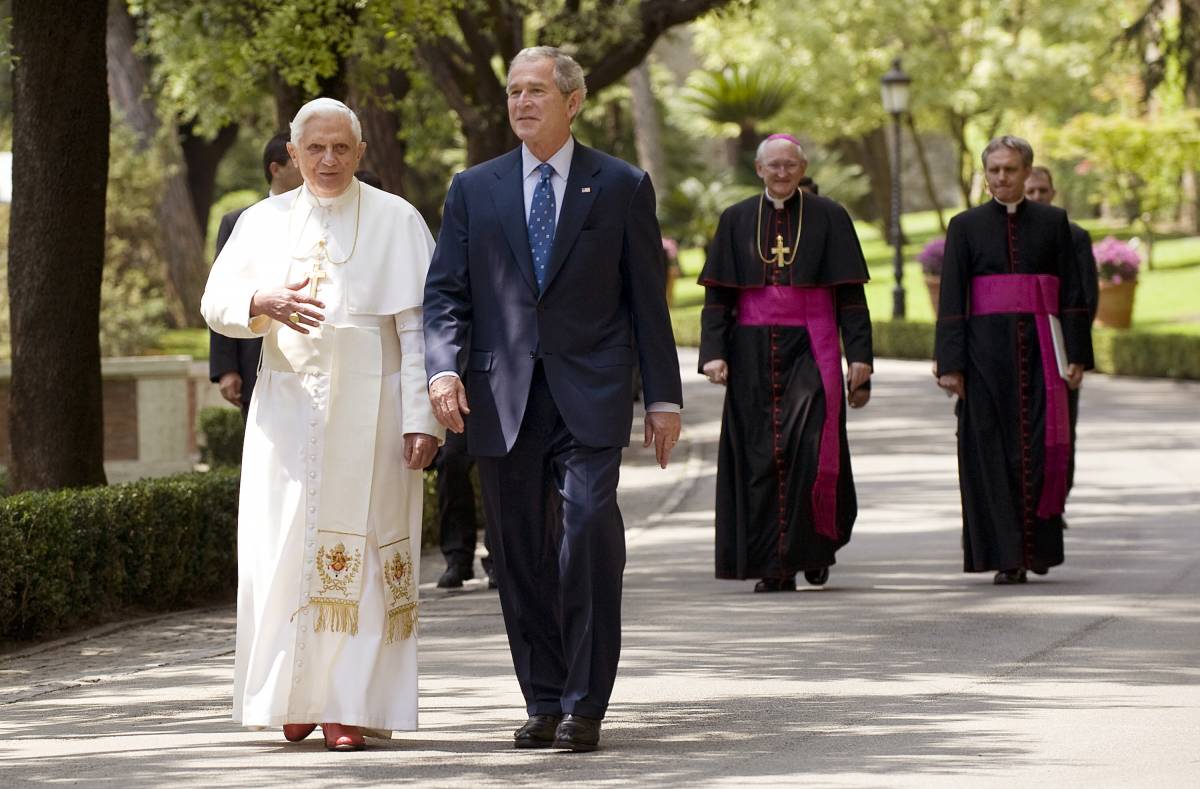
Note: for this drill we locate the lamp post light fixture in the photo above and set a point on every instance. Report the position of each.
(894, 89)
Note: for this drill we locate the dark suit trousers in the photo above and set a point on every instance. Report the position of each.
(457, 524)
(559, 548)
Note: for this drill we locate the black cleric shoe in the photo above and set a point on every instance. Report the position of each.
(454, 576)
(817, 577)
(577, 733)
(1009, 577)
(538, 732)
(776, 585)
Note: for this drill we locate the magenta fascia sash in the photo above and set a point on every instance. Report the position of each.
(812, 308)
(1037, 295)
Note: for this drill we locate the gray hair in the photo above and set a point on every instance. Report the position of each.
(762, 148)
(1045, 173)
(323, 106)
(568, 74)
(1018, 144)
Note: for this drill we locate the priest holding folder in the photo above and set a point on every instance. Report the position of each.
(1013, 334)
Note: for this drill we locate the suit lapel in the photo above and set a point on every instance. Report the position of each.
(509, 198)
(582, 188)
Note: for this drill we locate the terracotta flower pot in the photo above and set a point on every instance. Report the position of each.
(934, 285)
(1115, 310)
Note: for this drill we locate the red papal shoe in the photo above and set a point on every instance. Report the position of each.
(342, 738)
(295, 732)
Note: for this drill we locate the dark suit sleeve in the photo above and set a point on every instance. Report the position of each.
(950, 339)
(1073, 310)
(854, 320)
(222, 350)
(1086, 261)
(716, 324)
(644, 284)
(447, 306)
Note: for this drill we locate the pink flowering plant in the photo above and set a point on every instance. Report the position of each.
(930, 257)
(1116, 261)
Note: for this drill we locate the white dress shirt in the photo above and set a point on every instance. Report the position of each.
(560, 161)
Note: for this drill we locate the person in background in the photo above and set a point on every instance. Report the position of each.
(1039, 187)
(233, 362)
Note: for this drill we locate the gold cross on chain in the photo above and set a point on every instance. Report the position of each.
(317, 274)
(779, 250)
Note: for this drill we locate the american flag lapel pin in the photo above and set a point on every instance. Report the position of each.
(586, 189)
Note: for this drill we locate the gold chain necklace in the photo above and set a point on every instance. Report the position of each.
(780, 250)
(321, 243)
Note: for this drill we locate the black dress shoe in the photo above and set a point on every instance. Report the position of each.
(577, 733)
(538, 732)
(454, 576)
(817, 577)
(776, 585)
(1009, 577)
(491, 576)
(1039, 570)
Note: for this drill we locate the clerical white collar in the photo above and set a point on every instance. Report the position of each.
(1010, 207)
(775, 201)
(331, 202)
(560, 161)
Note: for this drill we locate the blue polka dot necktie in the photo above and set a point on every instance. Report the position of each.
(541, 224)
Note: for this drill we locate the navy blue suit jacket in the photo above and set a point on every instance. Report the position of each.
(226, 354)
(604, 297)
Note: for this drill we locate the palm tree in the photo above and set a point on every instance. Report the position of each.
(746, 97)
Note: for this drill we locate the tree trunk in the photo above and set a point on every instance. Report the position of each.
(56, 242)
(464, 69)
(381, 129)
(290, 98)
(647, 128)
(202, 158)
(870, 152)
(926, 174)
(183, 241)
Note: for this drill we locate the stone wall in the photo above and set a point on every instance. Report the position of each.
(150, 408)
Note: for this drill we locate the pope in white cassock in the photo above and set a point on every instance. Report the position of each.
(330, 275)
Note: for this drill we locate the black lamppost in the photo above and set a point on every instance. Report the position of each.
(895, 101)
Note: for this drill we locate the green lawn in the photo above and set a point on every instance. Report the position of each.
(1167, 300)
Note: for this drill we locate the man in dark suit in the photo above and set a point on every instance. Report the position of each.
(538, 307)
(233, 364)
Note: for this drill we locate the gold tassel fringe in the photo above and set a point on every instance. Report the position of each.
(340, 616)
(401, 623)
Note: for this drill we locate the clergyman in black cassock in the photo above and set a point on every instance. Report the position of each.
(1039, 187)
(772, 477)
(1008, 467)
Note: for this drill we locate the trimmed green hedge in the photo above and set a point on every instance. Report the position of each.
(74, 556)
(1147, 355)
(223, 432)
(1117, 352)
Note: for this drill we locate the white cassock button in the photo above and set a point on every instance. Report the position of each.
(312, 509)
(312, 475)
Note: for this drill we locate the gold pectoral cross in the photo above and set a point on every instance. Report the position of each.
(779, 250)
(317, 274)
